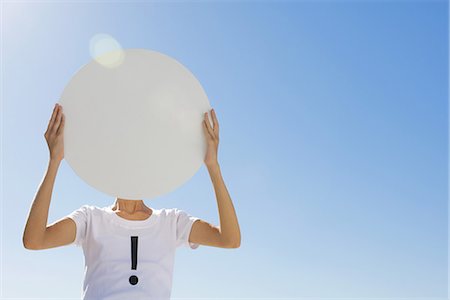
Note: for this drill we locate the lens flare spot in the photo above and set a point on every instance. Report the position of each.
(106, 50)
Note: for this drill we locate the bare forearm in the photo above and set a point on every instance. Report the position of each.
(229, 226)
(38, 215)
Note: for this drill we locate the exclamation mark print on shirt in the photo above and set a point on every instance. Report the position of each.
(134, 245)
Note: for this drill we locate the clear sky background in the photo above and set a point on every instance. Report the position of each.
(334, 142)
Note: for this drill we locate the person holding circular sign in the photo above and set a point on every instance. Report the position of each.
(128, 246)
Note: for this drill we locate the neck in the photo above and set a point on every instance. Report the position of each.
(129, 206)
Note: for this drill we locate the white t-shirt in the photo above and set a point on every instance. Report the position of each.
(106, 241)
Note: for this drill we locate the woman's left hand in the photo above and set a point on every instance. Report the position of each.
(212, 139)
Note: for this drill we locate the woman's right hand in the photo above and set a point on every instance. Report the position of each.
(55, 134)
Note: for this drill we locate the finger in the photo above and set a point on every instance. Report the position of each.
(52, 118)
(208, 125)
(57, 120)
(205, 129)
(61, 127)
(214, 117)
(208, 133)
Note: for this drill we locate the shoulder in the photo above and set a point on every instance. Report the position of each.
(166, 212)
(88, 209)
(173, 212)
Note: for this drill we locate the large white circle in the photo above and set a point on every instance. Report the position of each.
(134, 128)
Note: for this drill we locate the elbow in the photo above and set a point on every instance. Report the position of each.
(27, 244)
(234, 244)
(229, 241)
(238, 243)
(31, 247)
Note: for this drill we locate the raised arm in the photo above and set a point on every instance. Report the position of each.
(228, 235)
(37, 235)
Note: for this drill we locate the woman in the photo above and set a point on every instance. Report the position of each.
(129, 248)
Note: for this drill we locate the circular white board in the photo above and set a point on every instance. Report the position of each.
(134, 127)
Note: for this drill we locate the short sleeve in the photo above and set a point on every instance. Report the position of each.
(80, 217)
(184, 222)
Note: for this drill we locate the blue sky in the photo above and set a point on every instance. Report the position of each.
(334, 141)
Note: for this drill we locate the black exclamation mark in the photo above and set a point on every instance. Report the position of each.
(134, 244)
